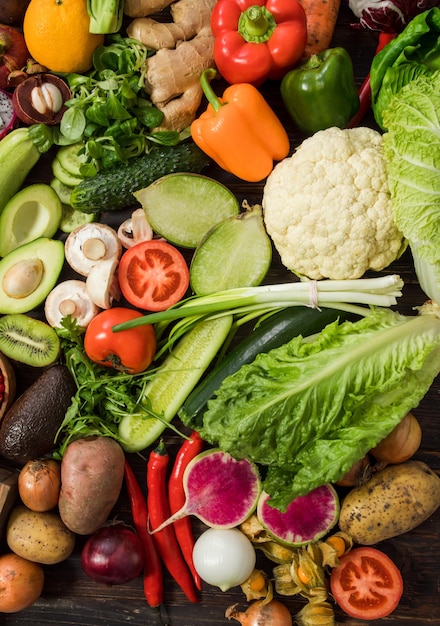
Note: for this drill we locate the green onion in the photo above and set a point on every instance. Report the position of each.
(338, 294)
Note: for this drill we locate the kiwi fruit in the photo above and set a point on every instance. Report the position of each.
(28, 340)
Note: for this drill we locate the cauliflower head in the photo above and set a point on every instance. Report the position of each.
(328, 209)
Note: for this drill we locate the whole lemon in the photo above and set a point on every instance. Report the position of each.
(57, 35)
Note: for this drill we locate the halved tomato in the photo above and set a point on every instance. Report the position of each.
(367, 584)
(153, 275)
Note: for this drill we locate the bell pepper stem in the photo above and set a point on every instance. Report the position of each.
(256, 24)
(210, 95)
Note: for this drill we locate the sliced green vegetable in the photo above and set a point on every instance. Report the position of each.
(174, 380)
(183, 207)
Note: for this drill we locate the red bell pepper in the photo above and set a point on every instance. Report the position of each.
(256, 40)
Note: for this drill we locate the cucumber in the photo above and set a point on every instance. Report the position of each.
(278, 329)
(63, 191)
(63, 175)
(18, 155)
(113, 189)
(70, 159)
(174, 380)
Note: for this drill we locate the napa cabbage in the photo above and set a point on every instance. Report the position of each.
(307, 411)
(412, 154)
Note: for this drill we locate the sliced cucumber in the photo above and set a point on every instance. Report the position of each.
(174, 381)
(70, 159)
(71, 218)
(63, 175)
(237, 252)
(183, 207)
(63, 191)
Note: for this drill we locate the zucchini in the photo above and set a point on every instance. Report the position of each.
(113, 188)
(278, 329)
(18, 155)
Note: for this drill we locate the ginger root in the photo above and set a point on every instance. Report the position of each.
(184, 48)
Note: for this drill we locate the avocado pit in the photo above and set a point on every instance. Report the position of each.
(23, 278)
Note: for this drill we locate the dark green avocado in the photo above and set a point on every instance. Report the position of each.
(28, 429)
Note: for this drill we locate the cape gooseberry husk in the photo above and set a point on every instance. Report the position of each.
(306, 519)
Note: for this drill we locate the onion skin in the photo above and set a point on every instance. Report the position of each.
(113, 555)
(39, 484)
(359, 473)
(401, 444)
(21, 583)
(261, 613)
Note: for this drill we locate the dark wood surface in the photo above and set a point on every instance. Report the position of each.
(69, 597)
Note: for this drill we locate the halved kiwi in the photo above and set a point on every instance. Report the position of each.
(28, 340)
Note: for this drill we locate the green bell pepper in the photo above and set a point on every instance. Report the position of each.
(321, 92)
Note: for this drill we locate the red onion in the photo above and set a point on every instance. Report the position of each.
(113, 555)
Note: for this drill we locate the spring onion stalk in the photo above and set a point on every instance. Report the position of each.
(339, 294)
(105, 16)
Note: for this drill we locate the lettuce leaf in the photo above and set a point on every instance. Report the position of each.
(307, 411)
(412, 155)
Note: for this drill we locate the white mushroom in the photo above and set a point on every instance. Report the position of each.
(135, 229)
(102, 283)
(90, 244)
(70, 297)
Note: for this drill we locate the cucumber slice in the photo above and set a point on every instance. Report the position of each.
(237, 252)
(183, 207)
(63, 175)
(72, 218)
(70, 159)
(174, 381)
(63, 191)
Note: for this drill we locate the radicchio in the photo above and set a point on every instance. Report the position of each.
(389, 16)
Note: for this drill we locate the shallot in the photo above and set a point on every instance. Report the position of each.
(261, 613)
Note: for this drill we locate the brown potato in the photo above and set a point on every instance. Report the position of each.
(394, 501)
(92, 471)
(39, 536)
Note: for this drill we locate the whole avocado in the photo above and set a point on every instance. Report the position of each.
(29, 427)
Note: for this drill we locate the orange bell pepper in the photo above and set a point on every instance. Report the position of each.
(240, 131)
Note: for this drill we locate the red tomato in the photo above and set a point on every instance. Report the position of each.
(129, 350)
(367, 584)
(153, 275)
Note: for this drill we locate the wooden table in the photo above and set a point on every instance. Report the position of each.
(69, 597)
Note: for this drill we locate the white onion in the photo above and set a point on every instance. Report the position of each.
(224, 558)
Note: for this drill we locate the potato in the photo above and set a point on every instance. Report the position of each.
(394, 501)
(39, 536)
(92, 471)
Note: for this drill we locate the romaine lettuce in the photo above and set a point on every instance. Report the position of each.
(412, 154)
(307, 411)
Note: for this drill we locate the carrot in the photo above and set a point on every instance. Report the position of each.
(321, 18)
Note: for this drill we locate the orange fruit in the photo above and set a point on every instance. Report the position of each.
(57, 35)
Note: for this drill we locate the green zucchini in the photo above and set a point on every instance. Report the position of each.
(113, 188)
(18, 155)
(278, 329)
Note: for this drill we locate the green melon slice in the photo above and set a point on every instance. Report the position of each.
(306, 519)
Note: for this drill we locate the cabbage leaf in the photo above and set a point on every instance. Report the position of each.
(412, 155)
(307, 411)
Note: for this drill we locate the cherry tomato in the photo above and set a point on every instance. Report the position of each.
(367, 584)
(129, 350)
(153, 275)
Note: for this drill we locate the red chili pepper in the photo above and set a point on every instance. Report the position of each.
(153, 577)
(257, 39)
(176, 496)
(365, 89)
(159, 510)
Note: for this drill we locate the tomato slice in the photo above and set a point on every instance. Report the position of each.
(153, 275)
(130, 350)
(366, 584)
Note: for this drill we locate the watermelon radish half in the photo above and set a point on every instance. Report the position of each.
(220, 490)
(306, 519)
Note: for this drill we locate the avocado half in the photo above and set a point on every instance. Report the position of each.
(45, 254)
(33, 212)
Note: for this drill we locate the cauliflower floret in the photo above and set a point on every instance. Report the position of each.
(327, 208)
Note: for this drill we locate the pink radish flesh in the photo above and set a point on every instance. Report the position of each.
(306, 519)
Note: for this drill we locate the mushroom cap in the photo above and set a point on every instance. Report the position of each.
(90, 244)
(70, 297)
